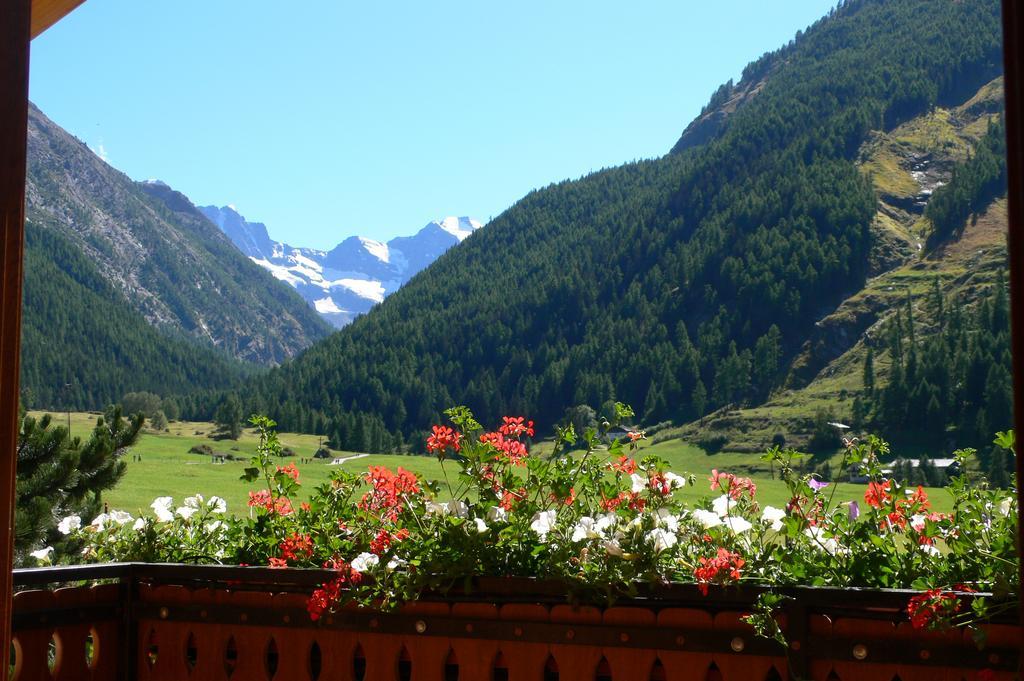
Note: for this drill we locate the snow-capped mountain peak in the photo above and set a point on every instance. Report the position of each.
(460, 228)
(352, 277)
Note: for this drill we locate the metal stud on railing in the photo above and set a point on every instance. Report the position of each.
(860, 651)
(421, 626)
(737, 644)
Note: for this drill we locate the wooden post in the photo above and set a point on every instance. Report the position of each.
(1013, 56)
(14, 55)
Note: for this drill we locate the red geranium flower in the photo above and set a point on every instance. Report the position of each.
(514, 426)
(442, 438)
(877, 495)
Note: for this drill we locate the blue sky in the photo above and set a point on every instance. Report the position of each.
(373, 118)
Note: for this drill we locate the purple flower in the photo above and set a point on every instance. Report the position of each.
(854, 511)
(817, 485)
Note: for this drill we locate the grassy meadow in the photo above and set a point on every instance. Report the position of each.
(168, 469)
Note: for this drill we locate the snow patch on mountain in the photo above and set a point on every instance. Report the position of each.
(376, 249)
(352, 277)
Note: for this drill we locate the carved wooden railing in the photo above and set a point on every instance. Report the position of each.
(175, 622)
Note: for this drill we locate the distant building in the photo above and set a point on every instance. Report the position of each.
(947, 466)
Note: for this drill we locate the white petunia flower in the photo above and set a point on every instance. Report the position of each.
(162, 509)
(214, 526)
(606, 522)
(661, 539)
(723, 504)
(69, 524)
(481, 526)
(823, 543)
(773, 515)
(675, 481)
(917, 521)
(1005, 505)
(217, 505)
(543, 522)
(496, 514)
(42, 555)
(195, 502)
(121, 517)
(99, 523)
(737, 524)
(395, 563)
(639, 483)
(186, 512)
(708, 519)
(930, 550)
(666, 519)
(435, 508)
(459, 509)
(140, 524)
(365, 561)
(612, 547)
(586, 528)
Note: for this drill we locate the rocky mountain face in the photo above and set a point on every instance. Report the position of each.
(352, 277)
(153, 247)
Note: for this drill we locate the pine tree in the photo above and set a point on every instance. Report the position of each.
(997, 470)
(869, 371)
(228, 418)
(59, 476)
(699, 399)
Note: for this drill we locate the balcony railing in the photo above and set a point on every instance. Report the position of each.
(177, 622)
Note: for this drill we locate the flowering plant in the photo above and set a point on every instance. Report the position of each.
(602, 521)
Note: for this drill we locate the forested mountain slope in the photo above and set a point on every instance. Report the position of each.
(922, 352)
(82, 344)
(164, 258)
(679, 284)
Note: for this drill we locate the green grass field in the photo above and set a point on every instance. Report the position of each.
(167, 469)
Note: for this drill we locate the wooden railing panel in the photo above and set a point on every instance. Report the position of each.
(33, 645)
(846, 663)
(428, 653)
(922, 645)
(60, 630)
(382, 653)
(630, 664)
(576, 662)
(680, 665)
(819, 628)
(475, 655)
(524, 660)
(338, 648)
(293, 643)
(739, 665)
(999, 635)
(162, 641)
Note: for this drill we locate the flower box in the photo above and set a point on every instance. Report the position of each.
(158, 622)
